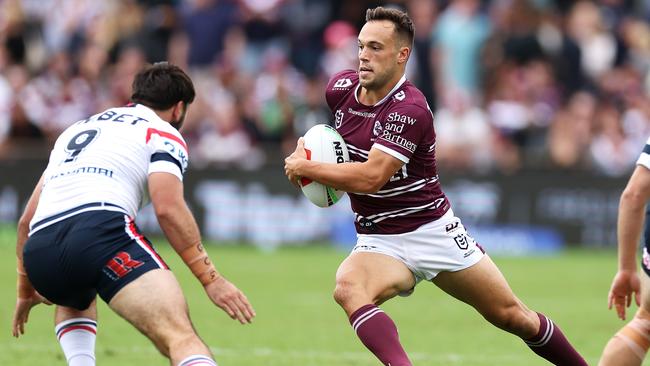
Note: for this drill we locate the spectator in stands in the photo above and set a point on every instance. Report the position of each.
(463, 133)
(458, 37)
(518, 60)
(570, 133)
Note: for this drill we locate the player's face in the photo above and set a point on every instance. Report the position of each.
(378, 54)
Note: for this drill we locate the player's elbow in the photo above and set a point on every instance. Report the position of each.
(167, 211)
(23, 224)
(633, 198)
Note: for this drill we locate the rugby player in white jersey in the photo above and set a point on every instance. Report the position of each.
(406, 229)
(77, 237)
(628, 347)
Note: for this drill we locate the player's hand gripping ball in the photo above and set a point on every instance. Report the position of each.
(323, 143)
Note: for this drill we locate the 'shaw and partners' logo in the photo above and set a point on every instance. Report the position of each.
(397, 117)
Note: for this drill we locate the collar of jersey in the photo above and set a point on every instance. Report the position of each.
(148, 112)
(390, 93)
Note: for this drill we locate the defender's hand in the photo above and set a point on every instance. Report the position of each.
(293, 161)
(229, 298)
(21, 312)
(625, 284)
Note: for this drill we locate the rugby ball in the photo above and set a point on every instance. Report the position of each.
(324, 144)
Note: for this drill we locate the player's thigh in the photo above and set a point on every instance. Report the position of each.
(481, 286)
(379, 276)
(154, 304)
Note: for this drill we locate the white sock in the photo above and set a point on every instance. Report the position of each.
(198, 360)
(77, 339)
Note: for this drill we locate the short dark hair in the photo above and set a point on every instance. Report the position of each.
(161, 85)
(403, 23)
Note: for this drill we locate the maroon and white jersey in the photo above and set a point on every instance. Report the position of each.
(401, 125)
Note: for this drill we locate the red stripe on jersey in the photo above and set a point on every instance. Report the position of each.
(171, 136)
(78, 327)
(143, 241)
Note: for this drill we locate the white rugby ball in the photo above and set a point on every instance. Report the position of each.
(323, 143)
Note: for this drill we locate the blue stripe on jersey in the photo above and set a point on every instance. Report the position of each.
(646, 149)
(166, 157)
(72, 210)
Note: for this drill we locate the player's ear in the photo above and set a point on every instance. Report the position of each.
(403, 55)
(178, 110)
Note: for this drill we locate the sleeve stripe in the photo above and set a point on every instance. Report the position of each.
(405, 159)
(166, 157)
(646, 149)
(153, 131)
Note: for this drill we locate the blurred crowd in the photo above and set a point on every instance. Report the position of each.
(514, 83)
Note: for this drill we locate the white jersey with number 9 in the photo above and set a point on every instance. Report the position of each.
(107, 159)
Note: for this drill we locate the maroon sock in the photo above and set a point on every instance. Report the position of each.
(379, 334)
(551, 344)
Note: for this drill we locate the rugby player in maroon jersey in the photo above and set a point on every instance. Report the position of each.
(407, 229)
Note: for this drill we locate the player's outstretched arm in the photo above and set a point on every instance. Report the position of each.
(180, 228)
(631, 213)
(26, 297)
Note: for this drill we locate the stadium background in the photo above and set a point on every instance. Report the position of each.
(541, 110)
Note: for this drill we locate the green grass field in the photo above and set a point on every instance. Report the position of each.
(298, 323)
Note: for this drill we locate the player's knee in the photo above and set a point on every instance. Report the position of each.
(513, 318)
(162, 347)
(172, 335)
(345, 291)
(342, 293)
(188, 342)
(178, 340)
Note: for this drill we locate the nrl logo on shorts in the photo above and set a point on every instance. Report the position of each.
(342, 83)
(461, 241)
(338, 118)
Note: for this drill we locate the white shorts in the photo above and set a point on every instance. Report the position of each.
(441, 245)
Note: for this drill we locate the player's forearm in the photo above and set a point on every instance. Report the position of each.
(23, 285)
(24, 288)
(183, 234)
(179, 226)
(22, 233)
(22, 229)
(630, 224)
(349, 177)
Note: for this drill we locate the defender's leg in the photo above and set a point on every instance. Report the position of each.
(155, 305)
(76, 332)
